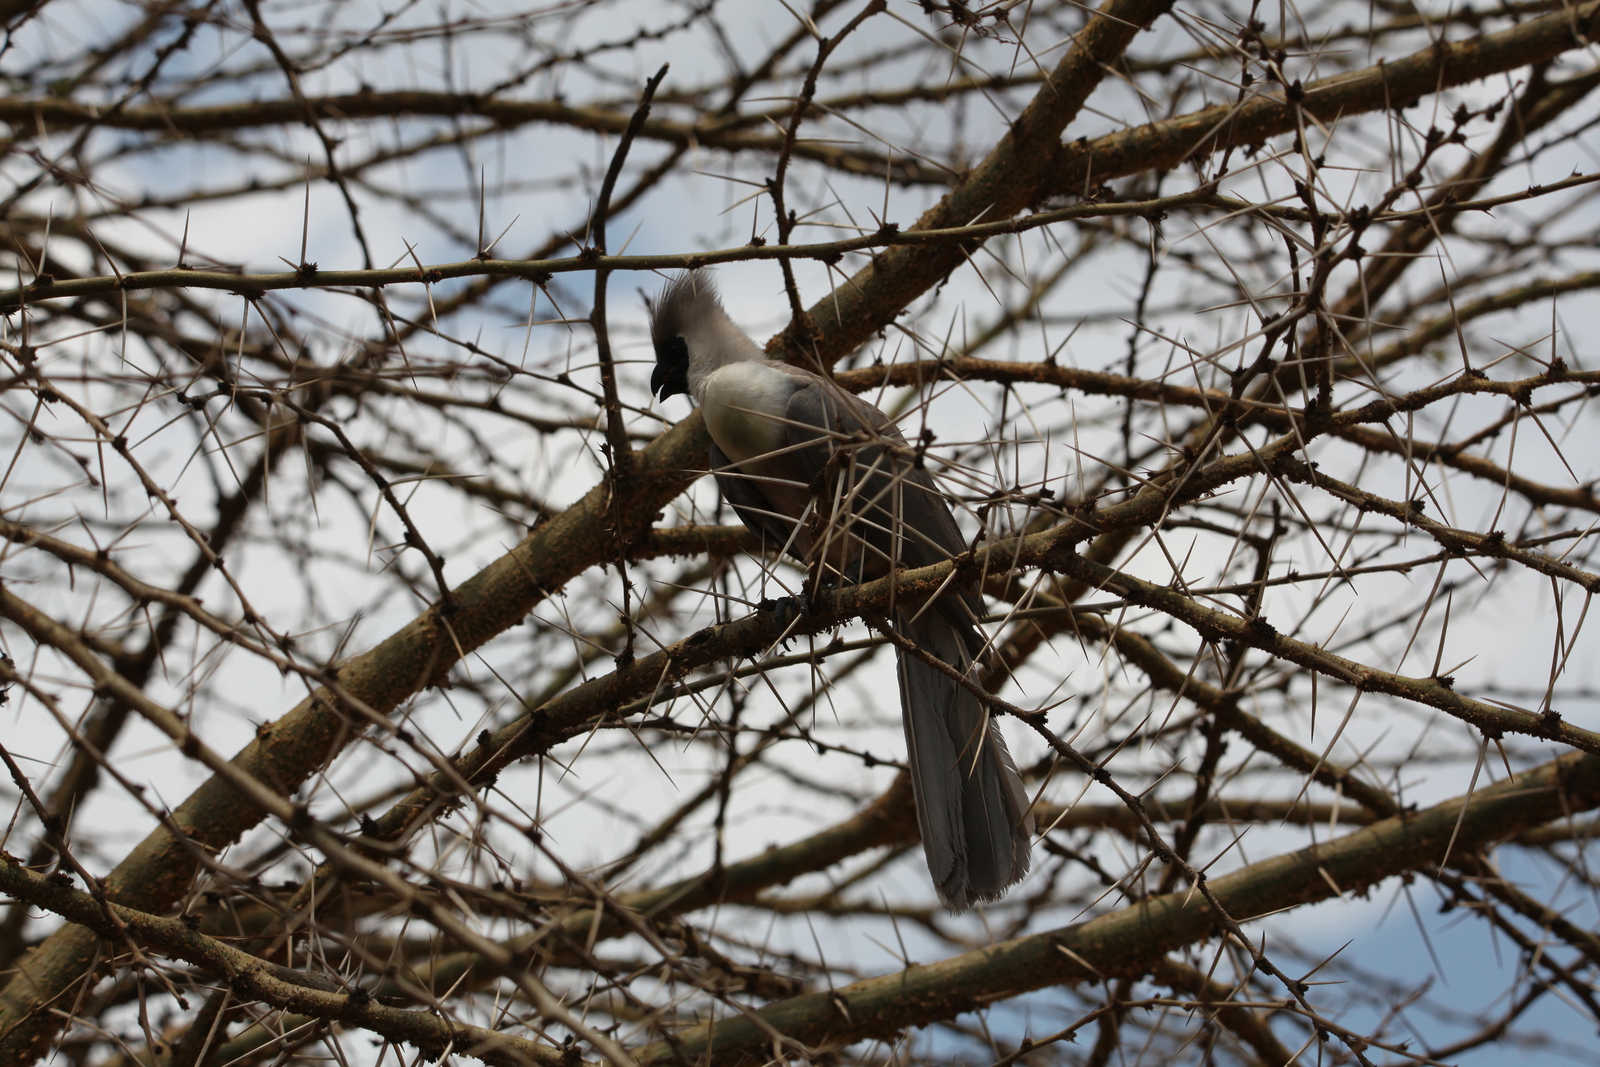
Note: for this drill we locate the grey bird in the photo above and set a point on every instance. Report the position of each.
(828, 478)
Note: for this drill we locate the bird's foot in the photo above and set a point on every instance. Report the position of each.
(787, 611)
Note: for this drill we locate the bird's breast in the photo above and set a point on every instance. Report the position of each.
(744, 405)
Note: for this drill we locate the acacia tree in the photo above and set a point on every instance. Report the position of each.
(387, 684)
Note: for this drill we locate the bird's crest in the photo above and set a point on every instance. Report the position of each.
(691, 297)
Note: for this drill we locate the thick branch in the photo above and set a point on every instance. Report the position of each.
(1131, 941)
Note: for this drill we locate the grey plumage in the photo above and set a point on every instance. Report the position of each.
(828, 477)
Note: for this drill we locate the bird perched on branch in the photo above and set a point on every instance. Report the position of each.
(828, 478)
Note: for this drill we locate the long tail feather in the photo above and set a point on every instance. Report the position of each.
(971, 804)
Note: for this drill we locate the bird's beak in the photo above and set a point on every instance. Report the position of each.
(671, 375)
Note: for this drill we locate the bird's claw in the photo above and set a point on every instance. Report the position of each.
(787, 611)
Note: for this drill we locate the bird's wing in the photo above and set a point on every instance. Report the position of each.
(875, 492)
(843, 477)
(759, 514)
